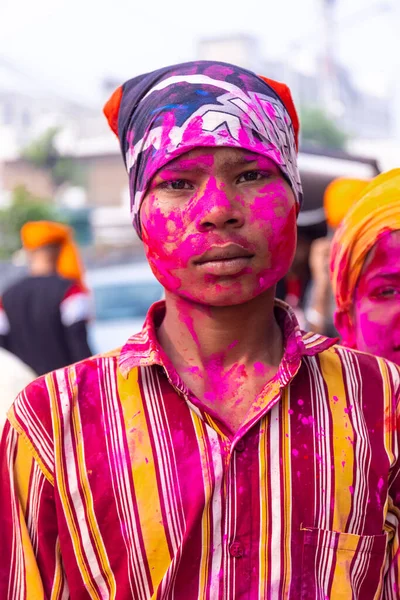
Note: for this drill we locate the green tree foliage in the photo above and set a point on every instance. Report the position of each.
(318, 129)
(24, 207)
(43, 153)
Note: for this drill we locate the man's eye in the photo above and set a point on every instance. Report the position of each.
(388, 292)
(177, 184)
(250, 176)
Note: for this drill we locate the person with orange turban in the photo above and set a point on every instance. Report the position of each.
(43, 316)
(339, 196)
(40, 235)
(365, 269)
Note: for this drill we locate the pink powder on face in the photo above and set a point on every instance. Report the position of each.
(177, 228)
(376, 316)
(173, 169)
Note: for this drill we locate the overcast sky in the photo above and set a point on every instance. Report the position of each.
(74, 43)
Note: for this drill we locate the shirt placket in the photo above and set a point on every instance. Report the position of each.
(237, 546)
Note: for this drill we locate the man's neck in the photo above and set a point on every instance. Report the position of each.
(193, 334)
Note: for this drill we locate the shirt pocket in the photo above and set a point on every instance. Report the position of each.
(341, 566)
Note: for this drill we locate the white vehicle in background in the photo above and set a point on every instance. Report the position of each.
(122, 296)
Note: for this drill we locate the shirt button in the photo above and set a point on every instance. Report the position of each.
(240, 446)
(236, 550)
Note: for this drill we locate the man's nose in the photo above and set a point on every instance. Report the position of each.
(218, 209)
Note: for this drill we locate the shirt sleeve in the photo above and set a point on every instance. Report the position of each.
(30, 565)
(4, 326)
(76, 310)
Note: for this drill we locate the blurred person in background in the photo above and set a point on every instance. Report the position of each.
(14, 377)
(43, 317)
(218, 454)
(339, 196)
(294, 287)
(365, 269)
(306, 286)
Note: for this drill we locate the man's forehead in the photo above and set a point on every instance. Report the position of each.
(212, 156)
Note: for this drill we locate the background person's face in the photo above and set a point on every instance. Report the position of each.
(231, 201)
(377, 300)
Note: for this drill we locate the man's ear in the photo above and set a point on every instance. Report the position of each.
(345, 327)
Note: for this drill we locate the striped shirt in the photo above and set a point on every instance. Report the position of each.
(118, 483)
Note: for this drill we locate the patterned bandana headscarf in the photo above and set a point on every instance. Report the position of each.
(163, 114)
(375, 213)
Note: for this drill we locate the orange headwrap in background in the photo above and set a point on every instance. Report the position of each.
(36, 234)
(374, 213)
(339, 197)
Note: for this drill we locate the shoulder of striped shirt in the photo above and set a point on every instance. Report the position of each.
(370, 363)
(31, 414)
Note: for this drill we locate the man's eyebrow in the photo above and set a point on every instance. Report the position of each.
(187, 165)
(241, 161)
(200, 164)
(395, 274)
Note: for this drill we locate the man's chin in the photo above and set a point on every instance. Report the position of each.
(220, 297)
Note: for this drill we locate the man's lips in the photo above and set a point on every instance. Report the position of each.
(223, 252)
(227, 259)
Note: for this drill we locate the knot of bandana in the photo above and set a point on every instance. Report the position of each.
(166, 113)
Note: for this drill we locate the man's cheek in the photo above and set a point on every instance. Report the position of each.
(164, 269)
(162, 258)
(272, 201)
(280, 231)
(286, 238)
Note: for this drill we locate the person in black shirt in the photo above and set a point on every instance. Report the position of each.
(43, 317)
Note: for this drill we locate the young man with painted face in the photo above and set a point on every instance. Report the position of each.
(221, 454)
(365, 270)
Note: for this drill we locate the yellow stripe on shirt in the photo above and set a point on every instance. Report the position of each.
(144, 477)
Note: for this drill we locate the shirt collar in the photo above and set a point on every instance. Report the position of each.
(143, 349)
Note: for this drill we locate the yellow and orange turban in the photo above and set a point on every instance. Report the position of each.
(339, 197)
(37, 234)
(375, 212)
